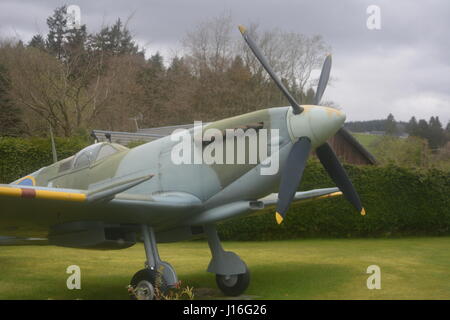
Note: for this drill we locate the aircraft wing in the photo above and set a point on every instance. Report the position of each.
(27, 211)
(272, 198)
(238, 208)
(105, 192)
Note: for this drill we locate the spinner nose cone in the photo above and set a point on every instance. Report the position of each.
(315, 122)
(325, 122)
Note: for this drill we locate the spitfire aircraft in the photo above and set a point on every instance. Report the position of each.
(108, 196)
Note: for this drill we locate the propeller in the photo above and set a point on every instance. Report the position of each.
(296, 161)
(323, 80)
(327, 156)
(291, 176)
(338, 174)
(297, 109)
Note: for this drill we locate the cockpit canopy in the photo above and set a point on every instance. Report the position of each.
(91, 154)
(96, 152)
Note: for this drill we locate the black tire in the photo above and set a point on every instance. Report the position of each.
(150, 276)
(234, 285)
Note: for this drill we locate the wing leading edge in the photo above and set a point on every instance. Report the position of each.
(106, 192)
(314, 194)
(235, 209)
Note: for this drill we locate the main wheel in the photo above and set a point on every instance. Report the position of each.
(146, 284)
(233, 285)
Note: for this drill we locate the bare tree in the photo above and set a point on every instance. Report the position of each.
(213, 44)
(118, 95)
(210, 44)
(293, 56)
(99, 81)
(65, 93)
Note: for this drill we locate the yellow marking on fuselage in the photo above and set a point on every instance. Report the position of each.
(44, 194)
(363, 212)
(57, 195)
(10, 192)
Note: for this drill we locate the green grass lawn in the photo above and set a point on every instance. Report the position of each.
(412, 268)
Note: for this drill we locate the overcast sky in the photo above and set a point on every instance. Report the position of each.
(403, 68)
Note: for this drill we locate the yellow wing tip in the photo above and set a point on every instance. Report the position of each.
(329, 195)
(278, 217)
(363, 212)
(242, 29)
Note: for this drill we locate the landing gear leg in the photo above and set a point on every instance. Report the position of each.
(157, 274)
(232, 274)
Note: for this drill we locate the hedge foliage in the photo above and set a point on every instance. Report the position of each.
(19, 157)
(398, 201)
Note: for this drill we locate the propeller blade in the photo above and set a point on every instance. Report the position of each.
(291, 176)
(323, 80)
(297, 109)
(335, 170)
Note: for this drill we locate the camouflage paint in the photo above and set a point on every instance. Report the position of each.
(212, 184)
(80, 178)
(228, 173)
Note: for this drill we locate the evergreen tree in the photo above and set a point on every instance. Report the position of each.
(178, 67)
(411, 127)
(390, 125)
(114, 40)
(57, 25)
(37, 41)
(447, 132)
(309, 97)
(156, 62)
(423, 129)
(10, 122)
(76, 40)
(63, 42)
(436, 134)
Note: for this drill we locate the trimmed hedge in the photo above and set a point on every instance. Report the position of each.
(19, 157)
(398, 201)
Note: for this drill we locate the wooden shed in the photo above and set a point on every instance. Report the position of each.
(349, 150)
